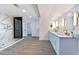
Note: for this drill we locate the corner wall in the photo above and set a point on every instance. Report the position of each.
(44, 28)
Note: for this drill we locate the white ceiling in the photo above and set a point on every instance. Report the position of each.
(12, 10)
(53, 11)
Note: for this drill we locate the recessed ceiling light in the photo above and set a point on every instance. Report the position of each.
(23, 10)
(30, 16)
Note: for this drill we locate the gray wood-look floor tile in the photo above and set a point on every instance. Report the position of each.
(30, 46)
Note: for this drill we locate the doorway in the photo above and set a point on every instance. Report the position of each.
(29, 29)
(17, 27)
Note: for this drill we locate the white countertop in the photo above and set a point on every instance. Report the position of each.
(60, 34)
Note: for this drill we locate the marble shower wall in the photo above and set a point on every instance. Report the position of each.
(6, 30)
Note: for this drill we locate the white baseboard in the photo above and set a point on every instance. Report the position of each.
(10, 44)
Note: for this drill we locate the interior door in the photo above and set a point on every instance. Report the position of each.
(17, 27)
(29, 29)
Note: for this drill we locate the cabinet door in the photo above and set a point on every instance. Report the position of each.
(51, 38)
(57, 44)
(68, 46)
(54, 41)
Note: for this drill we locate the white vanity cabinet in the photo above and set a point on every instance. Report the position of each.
(63, 45)
(54, 41)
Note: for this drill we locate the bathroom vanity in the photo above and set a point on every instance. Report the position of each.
(63, 44)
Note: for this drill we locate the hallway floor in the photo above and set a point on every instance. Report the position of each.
(30, 46)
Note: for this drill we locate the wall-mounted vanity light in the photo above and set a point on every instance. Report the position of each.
(63, 22)
(52, 25)
(78, 20)
(56, 26)
(75, 18)
(56, 22)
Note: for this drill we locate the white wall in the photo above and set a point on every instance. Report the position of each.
(25, 26)
(44, 28)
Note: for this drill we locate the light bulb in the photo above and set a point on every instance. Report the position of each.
(23, 10)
